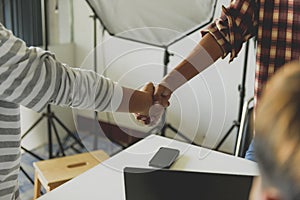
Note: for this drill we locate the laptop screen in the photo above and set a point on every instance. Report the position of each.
(162, 184)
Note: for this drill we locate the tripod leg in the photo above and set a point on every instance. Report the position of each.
(72, 146)
(33, 125)
(50, 150)
(69, 132)
(26, 174)
(235, 124)
(180, 134)
(66, 147)
(57, 137)
(29, 152)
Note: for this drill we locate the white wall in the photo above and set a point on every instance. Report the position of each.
(204, 108)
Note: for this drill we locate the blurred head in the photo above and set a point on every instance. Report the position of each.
(277, 138)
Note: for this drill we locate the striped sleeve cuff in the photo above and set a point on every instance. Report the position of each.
(116, 99)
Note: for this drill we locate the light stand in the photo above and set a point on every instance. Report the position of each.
(95, 69)
(241, 89)
(162, 126)
(165, 125)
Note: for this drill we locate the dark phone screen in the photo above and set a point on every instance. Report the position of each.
(164, 157)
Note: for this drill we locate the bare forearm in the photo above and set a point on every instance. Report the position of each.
(204, 54)
(135, 101)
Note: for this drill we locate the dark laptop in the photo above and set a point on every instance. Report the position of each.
(164, 184)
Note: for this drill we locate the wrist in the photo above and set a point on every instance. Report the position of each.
(167, 91)
(173, 80)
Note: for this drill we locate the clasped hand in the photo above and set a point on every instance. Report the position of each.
(160, 101)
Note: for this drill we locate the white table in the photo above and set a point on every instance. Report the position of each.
(106, 181)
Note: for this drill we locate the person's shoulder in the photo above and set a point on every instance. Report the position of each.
(4, 32)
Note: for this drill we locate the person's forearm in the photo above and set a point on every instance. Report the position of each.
(60, 84)
(135, 101)
(203, 55)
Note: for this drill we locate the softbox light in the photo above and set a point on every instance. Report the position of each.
(155, 22)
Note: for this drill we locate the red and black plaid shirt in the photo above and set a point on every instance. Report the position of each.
(275, 23)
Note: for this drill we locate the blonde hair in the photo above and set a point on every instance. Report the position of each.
(277, 127)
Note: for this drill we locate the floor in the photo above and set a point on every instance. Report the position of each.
(90, 143)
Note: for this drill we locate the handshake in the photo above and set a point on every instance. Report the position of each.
(153, 108)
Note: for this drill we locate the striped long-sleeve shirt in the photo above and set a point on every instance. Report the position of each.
(33, 78)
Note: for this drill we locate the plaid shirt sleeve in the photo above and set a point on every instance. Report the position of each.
(236, 25)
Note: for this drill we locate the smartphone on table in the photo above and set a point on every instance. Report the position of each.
(164, 157)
